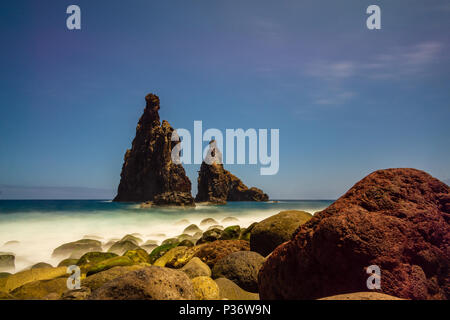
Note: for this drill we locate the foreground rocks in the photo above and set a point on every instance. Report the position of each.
(231, 291)
(241, 267)
(273, 231)
(217, 185)
(76, 249)
(7, 262)
(146, 284)
(362, 296)
(397, 219)
(212, 252)
(148, 169)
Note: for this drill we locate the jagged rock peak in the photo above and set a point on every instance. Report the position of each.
(148, 169)
(217, 185)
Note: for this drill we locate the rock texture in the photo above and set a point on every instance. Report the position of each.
(273, 231)
(217, 185)
(397, 219)
(148, 169)
(241, 267)
(212, 252)
(149, 283)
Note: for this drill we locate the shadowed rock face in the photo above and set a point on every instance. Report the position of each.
(148, 169)
(217, 185)
(397, 219)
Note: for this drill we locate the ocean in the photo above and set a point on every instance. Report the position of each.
(40, 226)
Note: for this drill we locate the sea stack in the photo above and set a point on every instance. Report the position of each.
(148, 170)
(395, 219)
(217, 185)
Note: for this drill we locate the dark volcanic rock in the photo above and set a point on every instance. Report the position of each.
(397, 219)
(217, 185)
(241, 267)
(212, 252)
(148, 169)
(149, 283)
(174, 198)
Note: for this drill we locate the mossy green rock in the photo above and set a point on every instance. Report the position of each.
(158, 252)
(68, 262)
(120, 247)
(186, 243)
(275, 230)
(231, 291)
(40, 289)
(208, 222)
(230, 233)
(4, 275)
(108, 264)
(138, 256)
(210, 235)
(205, 288)
(176, 257)
(246, 232)
(19, 279)
(95, 257)
(171, 241)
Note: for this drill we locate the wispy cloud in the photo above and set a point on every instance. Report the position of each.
(396, 64)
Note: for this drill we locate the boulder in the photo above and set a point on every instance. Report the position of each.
(171, 241)
(192, 229)
(246, 232)
(108, 264)
(148, 169)
(229, 233)
(230, 219)
(361, 296)
(78, 294)
(205, 288)
(41, 265)
(176, 257)
(186, 243)
(132, 238)
(6, 296)
(138, 256)
(210, 236)
(231, 291)
(196, 268)
(158, 252)
(275, 230)
(208, 222)
(182, 222)
(396, 219)
(92, 258)
(7, 262)
(97, 280)
(241, 267)
(217, 185)
(4, 275)
(76, 249)
(149, 283)
(38, 290)
(120, 247)
(68, 262)
(212, 252)
(19, 279)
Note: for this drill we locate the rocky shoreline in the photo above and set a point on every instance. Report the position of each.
(397, 219)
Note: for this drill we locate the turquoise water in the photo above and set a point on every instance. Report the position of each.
(42, 225)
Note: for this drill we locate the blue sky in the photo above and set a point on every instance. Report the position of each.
(347, 100)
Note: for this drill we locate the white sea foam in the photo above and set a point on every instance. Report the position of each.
(39, 233)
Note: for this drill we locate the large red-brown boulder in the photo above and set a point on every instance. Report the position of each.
(397, 219)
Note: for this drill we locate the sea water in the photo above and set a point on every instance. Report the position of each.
(40, 226)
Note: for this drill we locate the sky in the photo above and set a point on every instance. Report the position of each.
(347, 100)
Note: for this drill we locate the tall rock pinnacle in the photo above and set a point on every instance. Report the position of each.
(148, 170)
